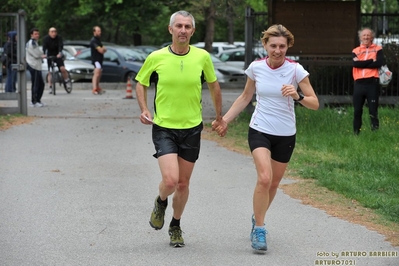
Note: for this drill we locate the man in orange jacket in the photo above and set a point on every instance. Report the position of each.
(367, 59)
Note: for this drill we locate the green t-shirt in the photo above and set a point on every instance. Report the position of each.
(177, 102)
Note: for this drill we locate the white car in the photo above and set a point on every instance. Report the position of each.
(217, 47)
(236, 57)
(384, 41)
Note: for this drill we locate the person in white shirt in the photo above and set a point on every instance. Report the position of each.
(34, 57)
(272, 130)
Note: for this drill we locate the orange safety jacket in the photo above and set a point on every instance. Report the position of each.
(370, 59)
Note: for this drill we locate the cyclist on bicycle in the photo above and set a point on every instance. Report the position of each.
(53, 46)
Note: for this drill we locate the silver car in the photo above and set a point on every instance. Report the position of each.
(74, 49)
(78, 70)
(227, 74)
(236, 57)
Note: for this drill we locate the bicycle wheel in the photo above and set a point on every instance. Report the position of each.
(53, 80)
(68, 87)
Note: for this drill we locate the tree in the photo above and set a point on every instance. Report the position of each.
(210, 12)
(145, 22)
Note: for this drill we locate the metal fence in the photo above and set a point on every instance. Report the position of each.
(331, 76)
(14, 70)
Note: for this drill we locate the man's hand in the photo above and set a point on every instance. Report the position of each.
(146, 118)
(220, 126)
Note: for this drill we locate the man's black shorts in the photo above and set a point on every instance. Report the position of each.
(281, 147)
(185, 142)
(58, 61)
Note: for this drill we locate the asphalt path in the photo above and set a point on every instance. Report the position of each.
(77, 187)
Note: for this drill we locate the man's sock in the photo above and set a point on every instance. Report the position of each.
(174, 222)
(162, 202)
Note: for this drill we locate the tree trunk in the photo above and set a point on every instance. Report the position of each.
(210, 25)
(230, 22)
(374, 27)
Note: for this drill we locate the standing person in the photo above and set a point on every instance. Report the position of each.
(367, 59)
(34, 56)
(272, 129)
(10, 49)
(52, 47)
(97, 56)
(177, 123)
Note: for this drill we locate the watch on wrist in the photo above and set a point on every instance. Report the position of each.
(301, 96)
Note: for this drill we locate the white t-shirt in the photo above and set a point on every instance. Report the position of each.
(274, 114)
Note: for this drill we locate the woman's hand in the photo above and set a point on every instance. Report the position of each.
(220, 126)
(289, 90)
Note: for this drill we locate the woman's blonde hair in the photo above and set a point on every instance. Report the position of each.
(278, 30)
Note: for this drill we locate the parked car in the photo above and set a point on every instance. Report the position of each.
(239, 44)
(226, 73)
(74, 49)
(120, 63)
(384, 41)
(166, 44)
(147, 49)
(85, 43)
(217, 47)
(139, 54)
(78, 70)
(236, 57)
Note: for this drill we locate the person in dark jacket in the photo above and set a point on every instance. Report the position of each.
(97, 56)
(53, 46)
(10, 49)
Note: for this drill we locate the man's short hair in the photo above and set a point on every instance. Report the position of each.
(33, 30)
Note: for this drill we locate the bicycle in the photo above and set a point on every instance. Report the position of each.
(56, 76)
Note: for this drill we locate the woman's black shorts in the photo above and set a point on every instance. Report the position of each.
(281, 147)
(185, 142)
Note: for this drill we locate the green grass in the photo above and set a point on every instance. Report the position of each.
(7, 118)
(364, 167)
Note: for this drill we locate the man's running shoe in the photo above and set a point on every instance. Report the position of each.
(157, 215)
(259, 239)
(176, 240)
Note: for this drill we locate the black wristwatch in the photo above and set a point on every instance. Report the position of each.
(301, 96)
